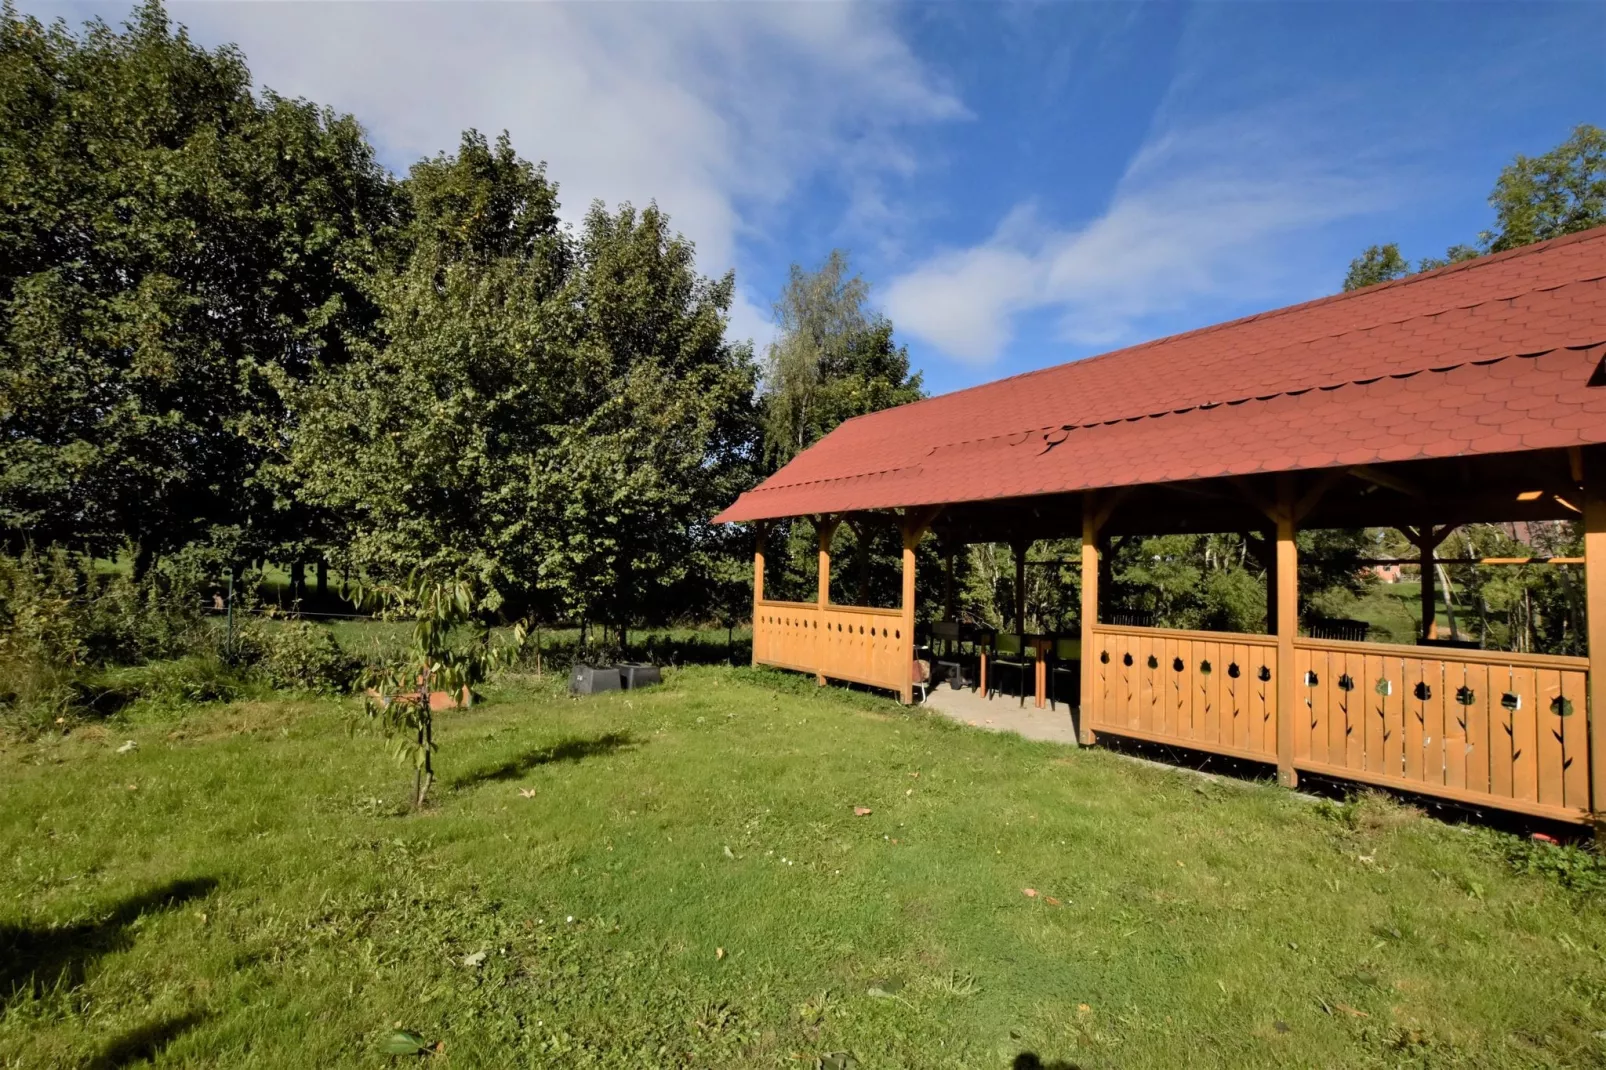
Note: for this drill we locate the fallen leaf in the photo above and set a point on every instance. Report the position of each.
(133, 787)
(861, 811)
(401, 1042)
(1545, 838)
(127, 747)
(1029, 893)
(915, 774)
(475, 959)
(1351, 1011)
(719, 953)
(728, 852)
(1083, 1008)
(527, 793)
(1051, 901)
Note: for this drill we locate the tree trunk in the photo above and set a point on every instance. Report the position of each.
(323, 579)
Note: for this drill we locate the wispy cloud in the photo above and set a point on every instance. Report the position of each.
(719, 112)
(1199, 214)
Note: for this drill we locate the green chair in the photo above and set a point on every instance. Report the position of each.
(1009, 652)
(1067, 662)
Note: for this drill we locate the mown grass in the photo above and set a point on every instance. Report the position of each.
(677, 877)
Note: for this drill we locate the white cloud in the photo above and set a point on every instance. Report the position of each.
(719, 112)
(1198, 214)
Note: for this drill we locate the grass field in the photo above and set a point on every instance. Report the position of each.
(677, 877)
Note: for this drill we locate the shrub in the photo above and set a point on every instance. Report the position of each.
(298, 655)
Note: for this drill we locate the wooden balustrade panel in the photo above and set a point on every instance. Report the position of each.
(1502, 730)
(866, 646)
(786, 634)
(1208, 690)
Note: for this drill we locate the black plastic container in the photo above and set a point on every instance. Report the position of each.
(592, 679)
(633, 674)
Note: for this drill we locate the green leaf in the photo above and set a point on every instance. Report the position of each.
(401, 1042)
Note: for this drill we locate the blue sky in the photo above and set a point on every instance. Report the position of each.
(1023, 184)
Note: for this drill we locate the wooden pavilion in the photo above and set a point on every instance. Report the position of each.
(1476, 392)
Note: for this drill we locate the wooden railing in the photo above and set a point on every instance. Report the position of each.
(1509, 731)
(1484, 727)
(1214, 691)
(863, 645)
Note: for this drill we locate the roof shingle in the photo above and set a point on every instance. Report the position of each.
(1490, 355)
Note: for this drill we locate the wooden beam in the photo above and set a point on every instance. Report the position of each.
(912, 532)
(1108, 502)
(1595, 626)
(1386, 480)
(1287, 629)
(1252, 495)
(1313, 496)
(824, 530)
(760, 544)
(1090, 616)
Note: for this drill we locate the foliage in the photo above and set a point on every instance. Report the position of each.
(61, 618)
(171, 244)
(554, 416)
(440, 658)
(834, 359)
(1560, 192)
(305, 916)
(299, 656)
(1379, 263)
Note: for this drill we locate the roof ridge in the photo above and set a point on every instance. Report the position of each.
(1481, 261)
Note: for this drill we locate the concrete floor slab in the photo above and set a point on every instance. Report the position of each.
(1004, 713)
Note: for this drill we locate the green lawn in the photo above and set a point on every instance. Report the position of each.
(677, 877)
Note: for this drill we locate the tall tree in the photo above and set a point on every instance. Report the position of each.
(1535, 198)
(552, 415)
(1560, 192)
(171, 244)
(834, 359)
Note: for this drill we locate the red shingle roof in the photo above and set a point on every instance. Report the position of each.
(1488, 356)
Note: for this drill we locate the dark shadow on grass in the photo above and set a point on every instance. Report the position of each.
(145, 1043)
(570, 750)
(47, 956)
(1028, 1060)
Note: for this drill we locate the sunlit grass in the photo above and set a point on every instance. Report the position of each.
(677, 877)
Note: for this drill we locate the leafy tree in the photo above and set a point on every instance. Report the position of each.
(552, 415)
(170, 244)
(1560, 192)
(440, 658)
(834, 359)
(1380, 263)
(1535, 198)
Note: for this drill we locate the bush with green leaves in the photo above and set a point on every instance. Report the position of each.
(62, 620)
(298, 656)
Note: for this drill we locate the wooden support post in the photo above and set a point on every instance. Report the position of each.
(1020, 546)
(1287, 574)
(911, 539)
(825, 531)
(913, 528)
(1595, 625)
(948, 587)
(1090, 614)
(760, 544)
(1430, 598)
